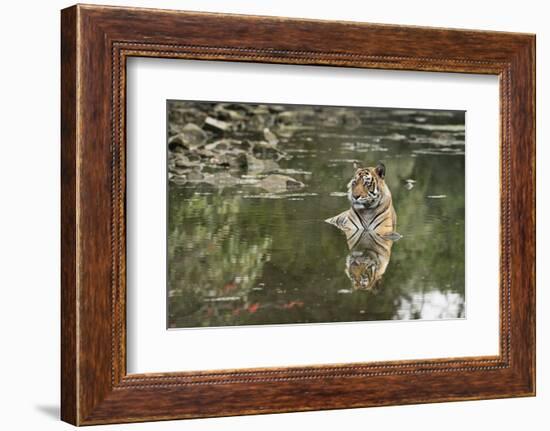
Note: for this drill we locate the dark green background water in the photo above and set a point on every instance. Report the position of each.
(241, 256)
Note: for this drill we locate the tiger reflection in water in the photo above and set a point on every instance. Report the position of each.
(369, 226)
(368, 259)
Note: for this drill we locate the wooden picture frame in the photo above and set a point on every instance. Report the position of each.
(96, 41)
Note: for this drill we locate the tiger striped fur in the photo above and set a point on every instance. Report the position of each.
(371, 204)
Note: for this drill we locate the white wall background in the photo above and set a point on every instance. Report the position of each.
(29, 215)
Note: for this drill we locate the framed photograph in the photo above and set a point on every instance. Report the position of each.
(264, 214)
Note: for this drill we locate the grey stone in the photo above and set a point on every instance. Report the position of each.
(270, 137)
(223, 145)
(264, 150)
(190, 136)
(226, 114)
(181, 161)
(276, 183)
(216, 126)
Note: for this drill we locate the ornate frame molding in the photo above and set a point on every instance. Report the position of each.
(96, 41)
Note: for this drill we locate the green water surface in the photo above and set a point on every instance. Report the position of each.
(242, 256)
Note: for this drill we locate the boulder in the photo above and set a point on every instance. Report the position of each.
(190, 136)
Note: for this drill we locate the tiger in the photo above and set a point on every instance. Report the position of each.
(371, 204)
(368, 259)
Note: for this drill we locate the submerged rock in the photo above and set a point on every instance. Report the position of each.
(195, 176)
(342, 118)
(223, 145)
(181, 161)
(264, 150)
(297, 118)
(276, 183)
(256, 166)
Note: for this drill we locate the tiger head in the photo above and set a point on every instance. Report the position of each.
(366, 186)
(363, 271)
(368, 260)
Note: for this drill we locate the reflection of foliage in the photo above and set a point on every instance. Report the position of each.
(432, 251)
(211, 261)
(236, 261)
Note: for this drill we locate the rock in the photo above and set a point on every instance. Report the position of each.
(193, 157)
(243, 146)
(257, 166)
(241, 107)
(216, 126)
(177, 147)
(270, 137)
(203, 152)
(350, 119)
(276, 108)
(285, 132)
(222, 179)
(190, 136)
(259, 121)
(395, 137)
(206, 144)
(221, 160)
(181, 161)
(174, 129)
(240, 126)
(341, 118)
(263, 150)
(194, 134)
(223, 145)
(240, 161)
(177, 172)
(226, 114)
(276, 183)
(299, 118)
(176, 144)
(409, 184)
(195, 176)
(218, 179)
(260, 110)
(179, 116)
(179, 180)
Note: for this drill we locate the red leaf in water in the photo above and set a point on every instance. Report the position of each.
(253, 308)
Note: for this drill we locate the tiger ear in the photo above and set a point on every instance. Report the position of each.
(380, 170)
(355, 165)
